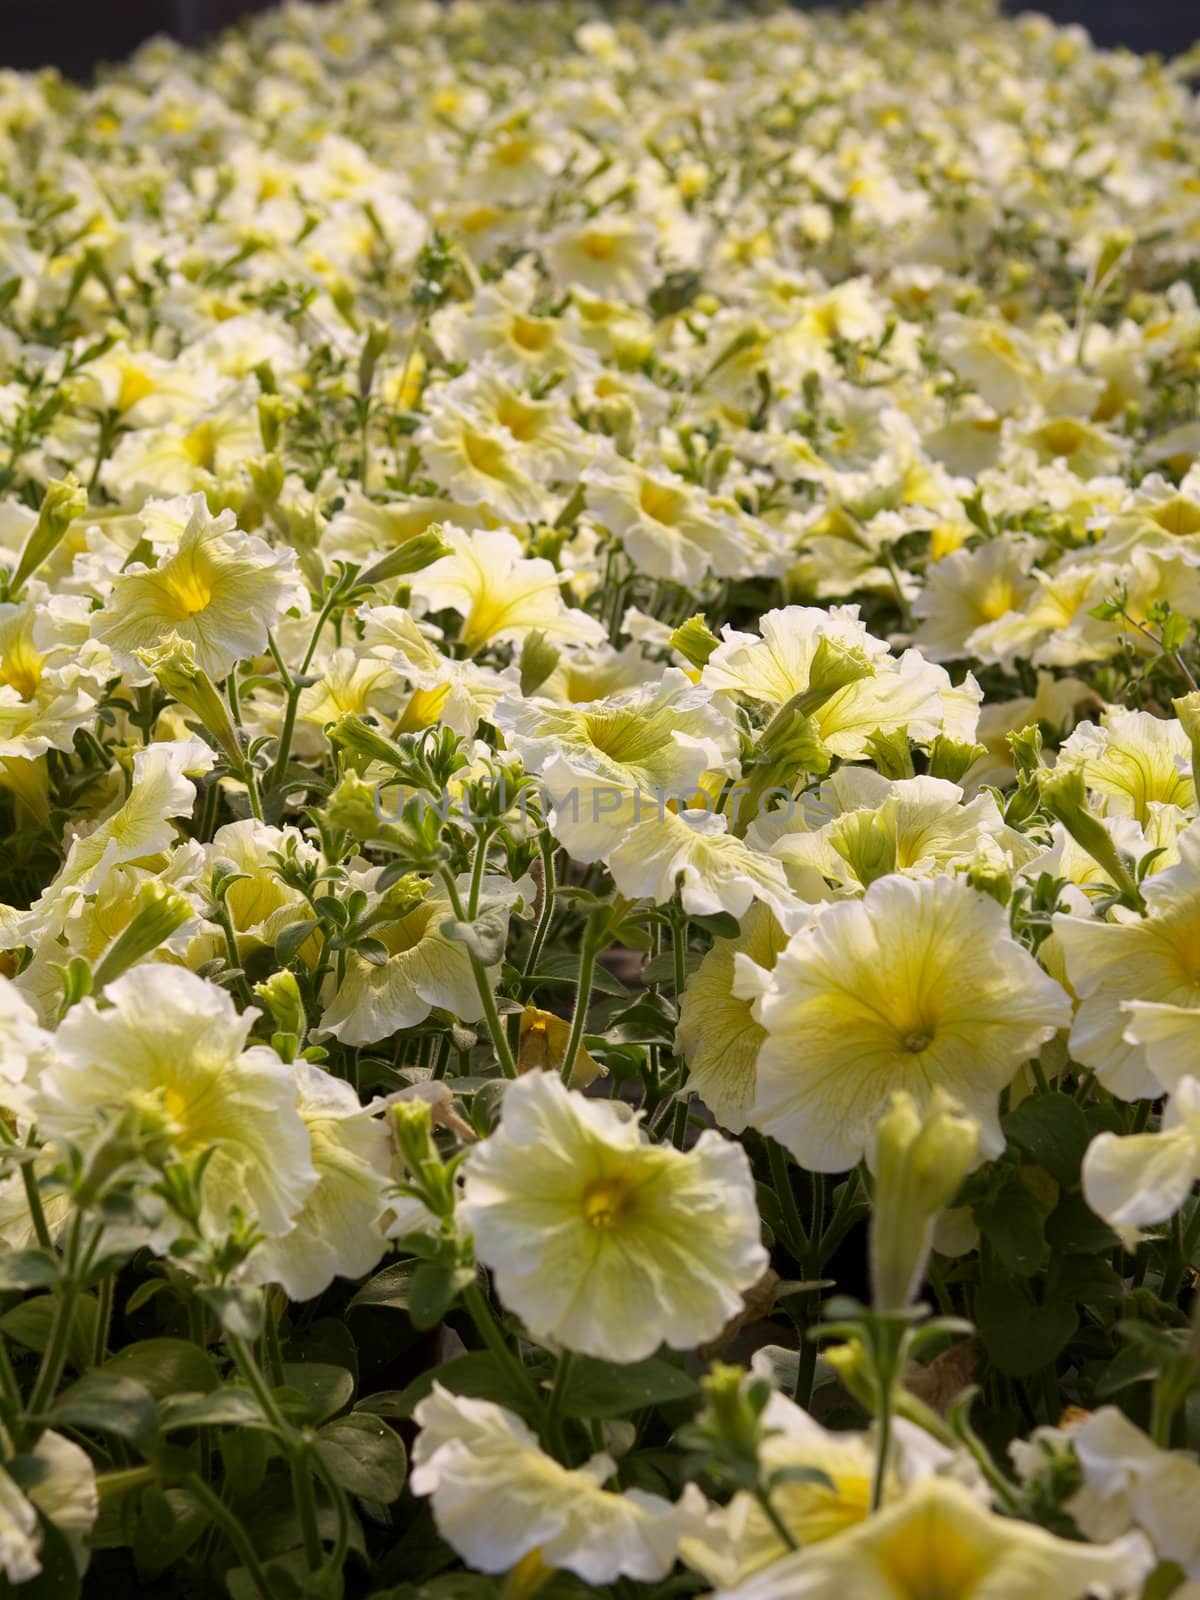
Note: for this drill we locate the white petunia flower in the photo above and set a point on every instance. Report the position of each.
(172, 1048)
(602, 1241)
(918, 985)
(497, 1497)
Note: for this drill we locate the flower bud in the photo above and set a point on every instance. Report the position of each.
(538, 660)
(694, 640)
(160, 911)
(1063, 795)
(173, 663)
(280, 993)
(63, 501)
(920, 1159)
(543, 1047)
(415, 554)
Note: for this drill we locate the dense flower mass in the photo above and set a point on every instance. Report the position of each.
(598, 725)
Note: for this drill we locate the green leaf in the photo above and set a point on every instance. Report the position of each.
(238, 1310)
(391, 1402)
(1012, 1222)
(287, 945)
(1021, 1336)
(565, 969)
(169, 1523)
(165, 1367)
(477, 1374)
(1134, 1364)
(28, 1269)
(1052, 1130)
(30, 1322)
(1088, 1280)
(1073, 1228)
(433, 1291)
(651, 1021)
(105, 1403)
(364, 1456)
(232, 1406)
(324, 1389)
(599, 1389)
(391, 1287)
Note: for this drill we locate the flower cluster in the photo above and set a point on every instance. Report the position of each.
(600, 921)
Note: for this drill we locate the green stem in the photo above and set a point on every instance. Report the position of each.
(781, 1180)
(679, 927)
(831, 1237)
(542, 930)
(773, 1517)
(12, 1399)
(478, 867)
(554, 1431)
(583, 993)
(295, 1444)
(887, 1346)
(306, 1507)
(488, 1330)
(103, 1319)
(337, 1556)
(231, 1526)
(252, 1375)
(33, 1199)
(679, 1120)
(883, 1422)
(55, 1356)
(273, 1351)
(487, 999)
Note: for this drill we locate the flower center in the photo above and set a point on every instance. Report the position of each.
(605, 1202)
(190, 589)
(600, 246)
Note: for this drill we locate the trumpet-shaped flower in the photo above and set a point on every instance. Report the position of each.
(602, 1241)
(693, 852)
(1133, 761)
(668, 526)
(717, 1033)
(501, 595)
(338, 1230)
(918, 986)
(220, 589)
(422, 969)
(498, 1497)
(609, 762)
(1152, 958)
(902, 694)
(939, 1543)
(172, 1048)
(1139, 1179)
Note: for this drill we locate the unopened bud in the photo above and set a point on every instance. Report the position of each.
(543, 1047)
(160, 911)
(920, 1158)
(173, 663)
(694, 640)
(63, 501)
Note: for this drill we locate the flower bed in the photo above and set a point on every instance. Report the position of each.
(601, 903)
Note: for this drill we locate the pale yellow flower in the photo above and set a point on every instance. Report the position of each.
(918, 986)
(498, 1497)
(220, 589)
(938, 1541)
(602, 1241)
